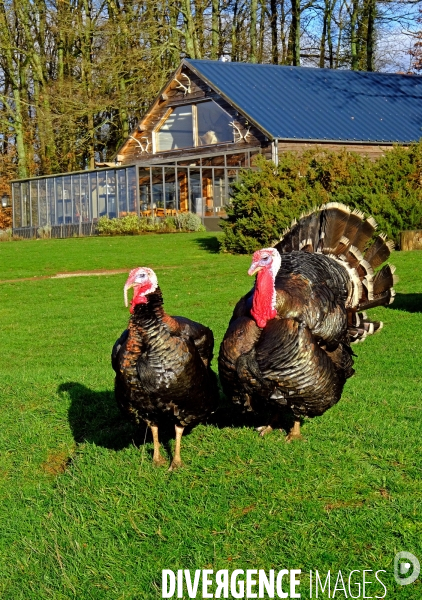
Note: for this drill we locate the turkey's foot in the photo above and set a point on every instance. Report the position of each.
(273, 424)
(159, 461)
(176, 463)
(264, 430)
(294, 433)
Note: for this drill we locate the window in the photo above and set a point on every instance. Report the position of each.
(177, 131)
(34, 203)
(213, 124)
(201, 124)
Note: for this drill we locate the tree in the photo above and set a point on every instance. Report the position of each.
(75, 75)
(416, 51)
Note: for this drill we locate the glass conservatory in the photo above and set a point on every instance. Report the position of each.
(75, 197)
(198, 184)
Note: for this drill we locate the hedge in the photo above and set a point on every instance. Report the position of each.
(267, 198)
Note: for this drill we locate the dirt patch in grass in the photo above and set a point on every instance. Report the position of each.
(56, 463)
(79, 274)
(89, 273)
(344, 504)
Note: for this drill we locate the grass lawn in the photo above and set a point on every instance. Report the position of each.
(84, 514)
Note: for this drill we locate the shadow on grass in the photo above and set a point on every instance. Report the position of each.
(210, 244)
(95, 417)
(229, 415)
(409, 302)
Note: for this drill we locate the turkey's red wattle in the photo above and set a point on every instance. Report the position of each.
(262, 304)
(139, 296)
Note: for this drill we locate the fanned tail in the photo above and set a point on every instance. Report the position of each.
(345, 235)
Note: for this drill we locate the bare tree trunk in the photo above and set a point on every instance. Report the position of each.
(294, 35)
(340, 33)
(274, 37)
(215, 29)
(353, 35)
(36, 58)
(192, 49)
(118, 18)
(233, 32)
(370, 35)
(329, 33)
(254, 10)
(261, 36)
(174, 35)
(124, 117)
(86, 75)
(323, 37)
(284, 42)
(11, 68)
(20, 135)
(199, 27)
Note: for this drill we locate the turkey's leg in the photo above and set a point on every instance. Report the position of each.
(294, 433)
(264, 429)
(157, 459)
(177, 461)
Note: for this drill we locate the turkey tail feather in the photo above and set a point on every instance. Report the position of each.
(384, 279)
(345, 236)
(335, 217)
(364, 233)
(379, 252)
(353, 224)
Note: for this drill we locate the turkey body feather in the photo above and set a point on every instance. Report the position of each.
(301, 358)
(160, 372)
(292, 350)
(162, 367)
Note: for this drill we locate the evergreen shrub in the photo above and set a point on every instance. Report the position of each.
(266, 199)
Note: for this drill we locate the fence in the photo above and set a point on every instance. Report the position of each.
(57, 231)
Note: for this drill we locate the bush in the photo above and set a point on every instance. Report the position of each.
(265, 200)
(44, 232)
(188, 222)
(6, 235)
(128, 225)
(134, 225)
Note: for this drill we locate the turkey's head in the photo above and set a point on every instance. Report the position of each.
(265, 263)
(143, 281)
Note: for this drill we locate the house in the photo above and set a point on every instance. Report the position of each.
(208, 122)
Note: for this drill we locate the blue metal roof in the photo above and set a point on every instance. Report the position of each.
(301, 103)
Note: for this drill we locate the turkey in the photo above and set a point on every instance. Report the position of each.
(162, 365)
(287, 348)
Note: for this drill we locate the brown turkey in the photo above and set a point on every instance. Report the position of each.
(162, 365)
(287, 347)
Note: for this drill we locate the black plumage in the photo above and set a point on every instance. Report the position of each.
(162, 365)
(288, 345)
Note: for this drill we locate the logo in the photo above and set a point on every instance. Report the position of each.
(406, 568)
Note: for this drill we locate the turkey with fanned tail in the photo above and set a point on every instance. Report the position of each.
(162, 365)
(288, 345)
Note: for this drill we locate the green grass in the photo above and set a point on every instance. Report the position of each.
(84, 514)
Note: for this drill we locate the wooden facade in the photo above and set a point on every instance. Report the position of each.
(372, 151)
(141, 146)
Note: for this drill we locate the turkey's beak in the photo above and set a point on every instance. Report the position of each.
(254, 268)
